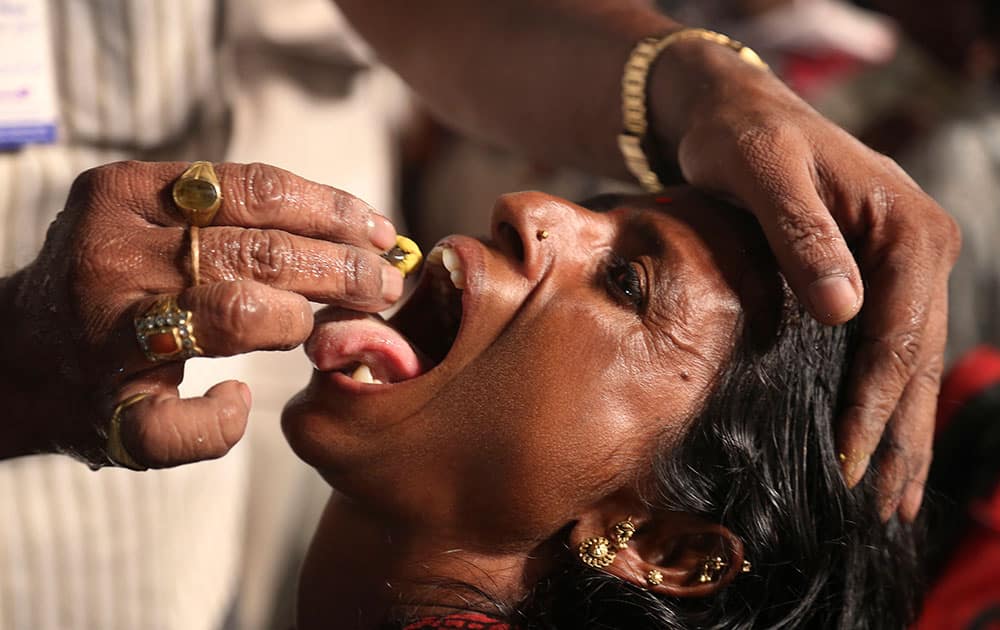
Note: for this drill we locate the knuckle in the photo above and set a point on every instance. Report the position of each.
(769, 137)
(899, 352)
(886, 161)
(879, 203)
(103, 184)
(86, 183)
(265, 188)
(918, 227)
(892, 167)
(265, 253)
(763, 147)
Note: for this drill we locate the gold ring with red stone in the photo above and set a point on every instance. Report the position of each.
(166, 332)
(198, 195)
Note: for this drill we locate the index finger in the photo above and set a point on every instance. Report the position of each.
(254, 196)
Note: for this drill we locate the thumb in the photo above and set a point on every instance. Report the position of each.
(163, 430)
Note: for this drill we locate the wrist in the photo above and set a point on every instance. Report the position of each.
(694, 79)
(22, 392)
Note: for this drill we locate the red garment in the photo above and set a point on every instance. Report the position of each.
(967, 594)
(459, 621)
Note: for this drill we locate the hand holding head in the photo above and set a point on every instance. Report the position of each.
(847, 227)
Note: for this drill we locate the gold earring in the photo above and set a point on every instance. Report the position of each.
(654, 577)
(621, 533)
(711, 569)
(746, 566)
(542, 234)
(596, 552)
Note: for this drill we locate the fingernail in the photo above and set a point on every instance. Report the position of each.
(392, 283)
(245, 393)
(910, 505)
(381, 232)
(855, 469)
(833, 298)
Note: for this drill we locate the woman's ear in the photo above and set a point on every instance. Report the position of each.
(674, 554)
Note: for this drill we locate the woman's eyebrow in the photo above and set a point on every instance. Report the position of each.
(647, 232)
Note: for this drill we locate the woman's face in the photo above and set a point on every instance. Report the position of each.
(585, 338)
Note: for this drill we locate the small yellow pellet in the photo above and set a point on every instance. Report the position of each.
(405, 256)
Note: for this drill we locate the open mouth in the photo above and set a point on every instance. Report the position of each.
(370, 350)
(432, 317)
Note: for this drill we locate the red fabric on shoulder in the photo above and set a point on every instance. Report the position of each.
(967, 593)
(973, 373)
(459, 621)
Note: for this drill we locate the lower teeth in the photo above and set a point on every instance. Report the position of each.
(363, 374)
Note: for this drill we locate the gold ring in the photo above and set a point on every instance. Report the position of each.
(195, 239)
(166, 332)
(198, 195)
(114, 449)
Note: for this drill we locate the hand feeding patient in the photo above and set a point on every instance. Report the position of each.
(638, 362)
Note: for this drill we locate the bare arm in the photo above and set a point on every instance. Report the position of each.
(542, 76)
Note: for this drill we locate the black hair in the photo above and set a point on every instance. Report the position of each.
(760, 459)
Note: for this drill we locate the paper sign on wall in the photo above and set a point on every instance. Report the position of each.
(28, 112)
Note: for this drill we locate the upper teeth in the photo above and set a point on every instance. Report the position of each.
(364, 375)
(453, 264)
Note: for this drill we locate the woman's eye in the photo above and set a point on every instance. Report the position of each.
(625, 280)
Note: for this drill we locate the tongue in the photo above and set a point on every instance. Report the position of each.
(343, 339)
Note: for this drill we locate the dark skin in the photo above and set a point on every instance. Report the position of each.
(734, 130)
(466, 472)
(277, 241)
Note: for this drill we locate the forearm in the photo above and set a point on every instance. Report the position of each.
(541, 76)
(23, 396)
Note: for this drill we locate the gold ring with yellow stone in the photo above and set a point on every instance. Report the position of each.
(198, 195)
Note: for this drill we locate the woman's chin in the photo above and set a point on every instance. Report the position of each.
(332, 429)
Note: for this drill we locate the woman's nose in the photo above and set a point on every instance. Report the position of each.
(532, 227)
